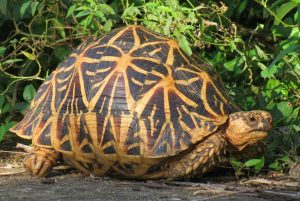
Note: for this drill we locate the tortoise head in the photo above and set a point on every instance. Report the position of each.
(245, 128)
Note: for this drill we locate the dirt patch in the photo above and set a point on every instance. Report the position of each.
(68, 184)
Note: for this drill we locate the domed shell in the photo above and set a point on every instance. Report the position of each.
(130, 92)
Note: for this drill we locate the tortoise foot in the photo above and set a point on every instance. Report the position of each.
(40, 161)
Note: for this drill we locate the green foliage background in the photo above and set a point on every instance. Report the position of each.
(253, 44)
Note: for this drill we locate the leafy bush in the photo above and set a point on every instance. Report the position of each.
(254, 45)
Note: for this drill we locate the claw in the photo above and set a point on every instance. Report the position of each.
(40, 161)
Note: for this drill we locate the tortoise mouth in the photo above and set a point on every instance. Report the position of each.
(253, 137)
(257, 134)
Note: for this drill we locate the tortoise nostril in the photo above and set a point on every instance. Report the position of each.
(252, 119)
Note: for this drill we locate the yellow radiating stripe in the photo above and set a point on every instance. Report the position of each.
(184, 98)
(158, 74)
(83, 143)
(204, 99)
(170, 58)
(42, 98)
(222, 108)
(109, 58)
(96, 84)
(141, 103)
(89, 60)
(129, 99)
(98, 94)
(187, 70)
(53, 101)
(155, 51)
(137, 82)
(73, 99)
(101, 70)
(147, 59)
(187, 82)
(145, 45)
(60, 81)
(183, 55)
(167, 105)
(112, 97)
(160, 135)
(202, 117)
(137, 41)
(102, 105)
(115, 37)
(152, 125)
(150, 82)
(138, 69)
(63, 88)
(116, 47)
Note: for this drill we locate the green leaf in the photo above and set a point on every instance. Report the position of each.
(4, 128)
(1, 102)
(269, 72)
(241, 8)
(232, 64)
(235, 163)
(2, 50)
(184, 44)
(29, 92)
(106, 9)
(29, 55)
(58, 25)
(107, 26)
(24, 7)
(5, 108)
(61, 51)
(71, 10)
(33, 7)
(258, 164)
(83, 13)
(283, 10)
(275, 165)
(11, 61)
(285, 107)
(3, 5)
(131, 12)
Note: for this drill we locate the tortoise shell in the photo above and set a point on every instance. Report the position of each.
(129, 94)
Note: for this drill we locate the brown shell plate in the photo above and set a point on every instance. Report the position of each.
(131, 92)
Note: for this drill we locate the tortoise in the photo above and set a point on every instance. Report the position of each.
(131, 104)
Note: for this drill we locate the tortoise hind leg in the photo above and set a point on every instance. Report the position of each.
(40, 161)
(198, 161)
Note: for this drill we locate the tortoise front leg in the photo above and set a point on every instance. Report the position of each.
(200, 160)
(40, 161)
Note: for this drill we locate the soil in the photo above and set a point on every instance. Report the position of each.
(67, 184)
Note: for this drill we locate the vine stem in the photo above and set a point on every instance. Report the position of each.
(264, 4)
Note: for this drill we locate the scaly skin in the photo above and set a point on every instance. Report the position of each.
(40, 161)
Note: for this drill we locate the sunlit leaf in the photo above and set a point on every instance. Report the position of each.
(60, 28)
(24, 7)
(3, 4)
(71, 10)
(34, 6)
(29, 55)
(107, 26)
(29, 92)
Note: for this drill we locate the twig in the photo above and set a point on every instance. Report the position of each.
(12, 152)
(271, 182)
(25, 147)
(12, 173)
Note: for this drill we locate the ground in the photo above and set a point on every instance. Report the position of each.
(68, 184)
